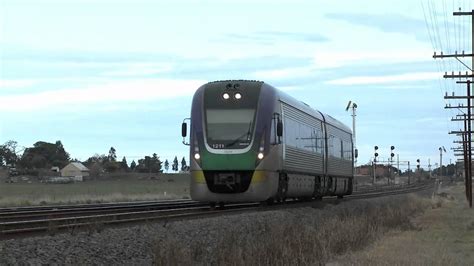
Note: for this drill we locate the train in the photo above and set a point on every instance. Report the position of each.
(250, 142)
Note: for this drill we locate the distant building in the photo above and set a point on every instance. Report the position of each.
(75, 169)
(380, 170)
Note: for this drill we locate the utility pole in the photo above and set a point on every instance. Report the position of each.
(466, 133)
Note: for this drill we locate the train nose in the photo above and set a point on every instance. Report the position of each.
(228, 181)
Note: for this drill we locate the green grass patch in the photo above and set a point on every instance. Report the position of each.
(24, 194)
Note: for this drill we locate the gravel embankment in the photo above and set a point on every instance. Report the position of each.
(137, 245)
(132, 245)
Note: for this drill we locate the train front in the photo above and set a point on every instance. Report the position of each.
(229, 142)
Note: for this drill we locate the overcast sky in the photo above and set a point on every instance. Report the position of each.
(122, 73)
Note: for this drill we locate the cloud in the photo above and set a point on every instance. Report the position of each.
(106, 93)
(16, 83)
(270, 37)
(428, 119)
(348, 62)
(371, 80)
(293, 72)
(139, 69)
(333, 59)
(77, 56)
(394, 23)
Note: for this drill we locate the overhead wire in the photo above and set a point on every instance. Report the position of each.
(441, 63)
(456, 41)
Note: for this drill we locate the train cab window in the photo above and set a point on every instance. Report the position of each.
(274, 139)
(230, 129)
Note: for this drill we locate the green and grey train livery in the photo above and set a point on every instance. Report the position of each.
(251, 142)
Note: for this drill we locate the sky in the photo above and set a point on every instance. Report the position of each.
(96, 74)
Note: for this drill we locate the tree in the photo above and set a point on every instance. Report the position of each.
(124, 164)
(167, 165)
(112, 155)
(111, 166)
(8, 153)
(95, 169)
(96, 158)
(183, 164)
(133, 165)
(149, 164)
(174, 167)
(44, 155)
(155, 163)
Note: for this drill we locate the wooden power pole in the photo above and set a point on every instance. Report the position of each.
(466, 117)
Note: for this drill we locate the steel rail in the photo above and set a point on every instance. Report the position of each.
(87, 205)
(89, 211)
(25, 227)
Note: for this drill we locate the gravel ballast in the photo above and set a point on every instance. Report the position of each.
(143, 244)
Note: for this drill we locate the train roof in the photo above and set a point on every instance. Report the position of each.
(304, 107)
(293, 102)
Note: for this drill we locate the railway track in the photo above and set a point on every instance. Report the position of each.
(26, 221)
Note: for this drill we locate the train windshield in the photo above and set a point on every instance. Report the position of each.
(229, 128)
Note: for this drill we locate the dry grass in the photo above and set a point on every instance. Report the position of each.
(312, 239)
(401, 248)
(444, 236)
(23, 194)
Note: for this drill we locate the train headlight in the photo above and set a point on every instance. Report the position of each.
(197, 156)
(238, 96)
(260, 155)
(226, 96)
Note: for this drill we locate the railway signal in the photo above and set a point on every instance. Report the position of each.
(353, 106)
(376, 154)
(391, 153)
(441, 150)
(418, 164)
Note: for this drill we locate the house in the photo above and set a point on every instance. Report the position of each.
(380, 170)
(75, 169)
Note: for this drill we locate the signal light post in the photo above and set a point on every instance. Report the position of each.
(418, 167)
(441, 150)
(391, 161)
(376, 154)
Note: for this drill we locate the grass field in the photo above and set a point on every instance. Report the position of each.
(443, 235)
(173, 186)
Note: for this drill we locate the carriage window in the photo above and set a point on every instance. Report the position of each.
(291, 132)
(335, 147)
(319, 141)
(347, 145)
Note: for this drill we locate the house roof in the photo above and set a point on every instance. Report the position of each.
(79, 166)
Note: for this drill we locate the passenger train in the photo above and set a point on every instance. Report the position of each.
(251, 142)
